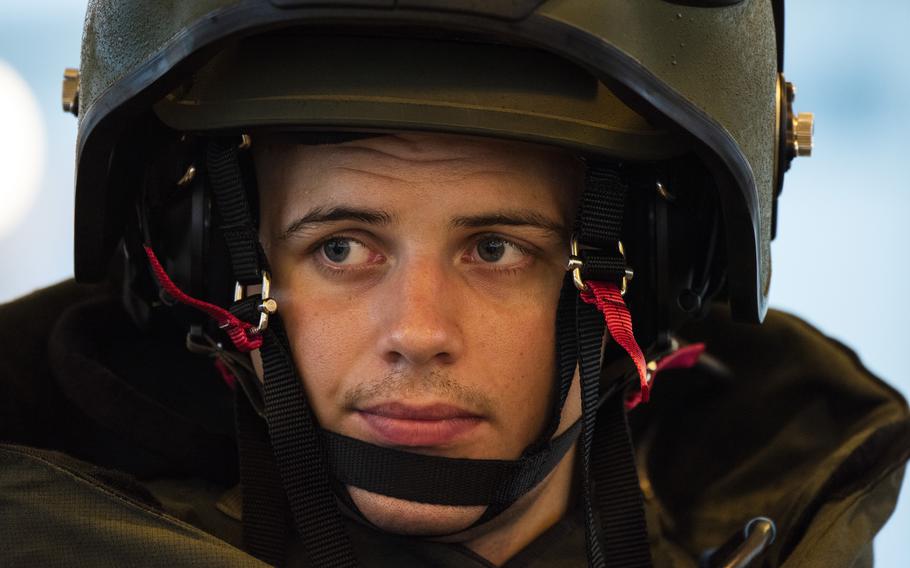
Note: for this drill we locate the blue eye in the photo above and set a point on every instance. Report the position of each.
(498, 251)
(491, 250)
(336, 250)
(341, 254)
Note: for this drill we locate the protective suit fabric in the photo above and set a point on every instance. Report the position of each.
(777, 421)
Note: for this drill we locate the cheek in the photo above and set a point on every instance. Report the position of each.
(324, 336)
(517, 353)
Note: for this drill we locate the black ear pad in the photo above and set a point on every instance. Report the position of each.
(673, 241)
(174, 214)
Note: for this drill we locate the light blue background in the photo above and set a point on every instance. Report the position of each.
(840, 259)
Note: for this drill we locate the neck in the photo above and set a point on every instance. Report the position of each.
(529, 517)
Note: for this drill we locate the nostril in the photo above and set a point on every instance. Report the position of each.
(393, 357)
(396, 358)
(445, 358)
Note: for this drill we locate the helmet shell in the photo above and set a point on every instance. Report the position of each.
(702, 78)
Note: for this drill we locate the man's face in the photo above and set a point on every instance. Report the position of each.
(418, 277)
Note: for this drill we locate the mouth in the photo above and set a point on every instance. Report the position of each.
(414, 426)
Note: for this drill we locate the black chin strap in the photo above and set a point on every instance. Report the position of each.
(301, 459)
(441, 480)
(292, 429)
(619, 501)
(611, 490)
(265, 510)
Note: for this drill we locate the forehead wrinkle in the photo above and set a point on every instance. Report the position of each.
(411, 156)
(359, 171)
(353, 155)
(421, 147)
(461, 174)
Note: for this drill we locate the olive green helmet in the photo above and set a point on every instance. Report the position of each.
(644, 80)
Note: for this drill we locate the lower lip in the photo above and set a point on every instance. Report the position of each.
(417, 433)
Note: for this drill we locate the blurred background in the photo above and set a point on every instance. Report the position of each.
(840, 258)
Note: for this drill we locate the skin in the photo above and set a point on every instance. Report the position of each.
(425, 269)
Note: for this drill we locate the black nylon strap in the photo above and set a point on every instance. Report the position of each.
(619, 500)
(265, 508)
(604, 265)
(240, 234)
(566, 361)
(247, 308)
(301, 473)
(611, 492)
(300, 457)
(441, 480)
(602, 204)
(566, 349)
(590, 329)
(599, 224)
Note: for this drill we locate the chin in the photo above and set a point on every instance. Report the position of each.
(411, 518)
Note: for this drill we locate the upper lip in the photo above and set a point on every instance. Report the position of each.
(437, 411)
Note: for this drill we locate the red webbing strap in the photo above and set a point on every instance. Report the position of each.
(238, 330)
(683, 358)
(608, 299)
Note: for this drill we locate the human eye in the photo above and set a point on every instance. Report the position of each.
(341, 253)
(498, 252)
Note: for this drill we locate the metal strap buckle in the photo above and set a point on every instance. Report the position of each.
(267, 307)
(576, 263)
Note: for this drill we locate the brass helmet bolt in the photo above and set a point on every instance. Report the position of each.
(799, 129)
(71, 91)
(803, 130)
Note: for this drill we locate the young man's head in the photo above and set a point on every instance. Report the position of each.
(421, 278)
(418, 277)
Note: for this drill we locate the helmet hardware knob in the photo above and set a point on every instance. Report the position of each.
(267, 307)
(71, 91)
(800, 128)
(803, 131)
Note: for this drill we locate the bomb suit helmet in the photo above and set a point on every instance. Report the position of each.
(686, 105)
(660, 58)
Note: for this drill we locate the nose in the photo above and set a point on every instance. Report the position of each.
(418, 316)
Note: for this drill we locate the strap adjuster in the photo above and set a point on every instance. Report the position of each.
(577, 263)
(267, 307)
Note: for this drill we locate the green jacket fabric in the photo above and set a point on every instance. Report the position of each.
(119, 448)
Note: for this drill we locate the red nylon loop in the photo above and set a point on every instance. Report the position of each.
(238, 330)
(608, 299)
(683, 358)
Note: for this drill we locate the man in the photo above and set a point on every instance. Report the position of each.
(462, 242)
(408, 262)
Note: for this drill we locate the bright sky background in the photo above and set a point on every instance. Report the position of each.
(840, 260)
(841, 256)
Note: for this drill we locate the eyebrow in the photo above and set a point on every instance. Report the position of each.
(518, 218)
(379, 217)
(330, 214)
